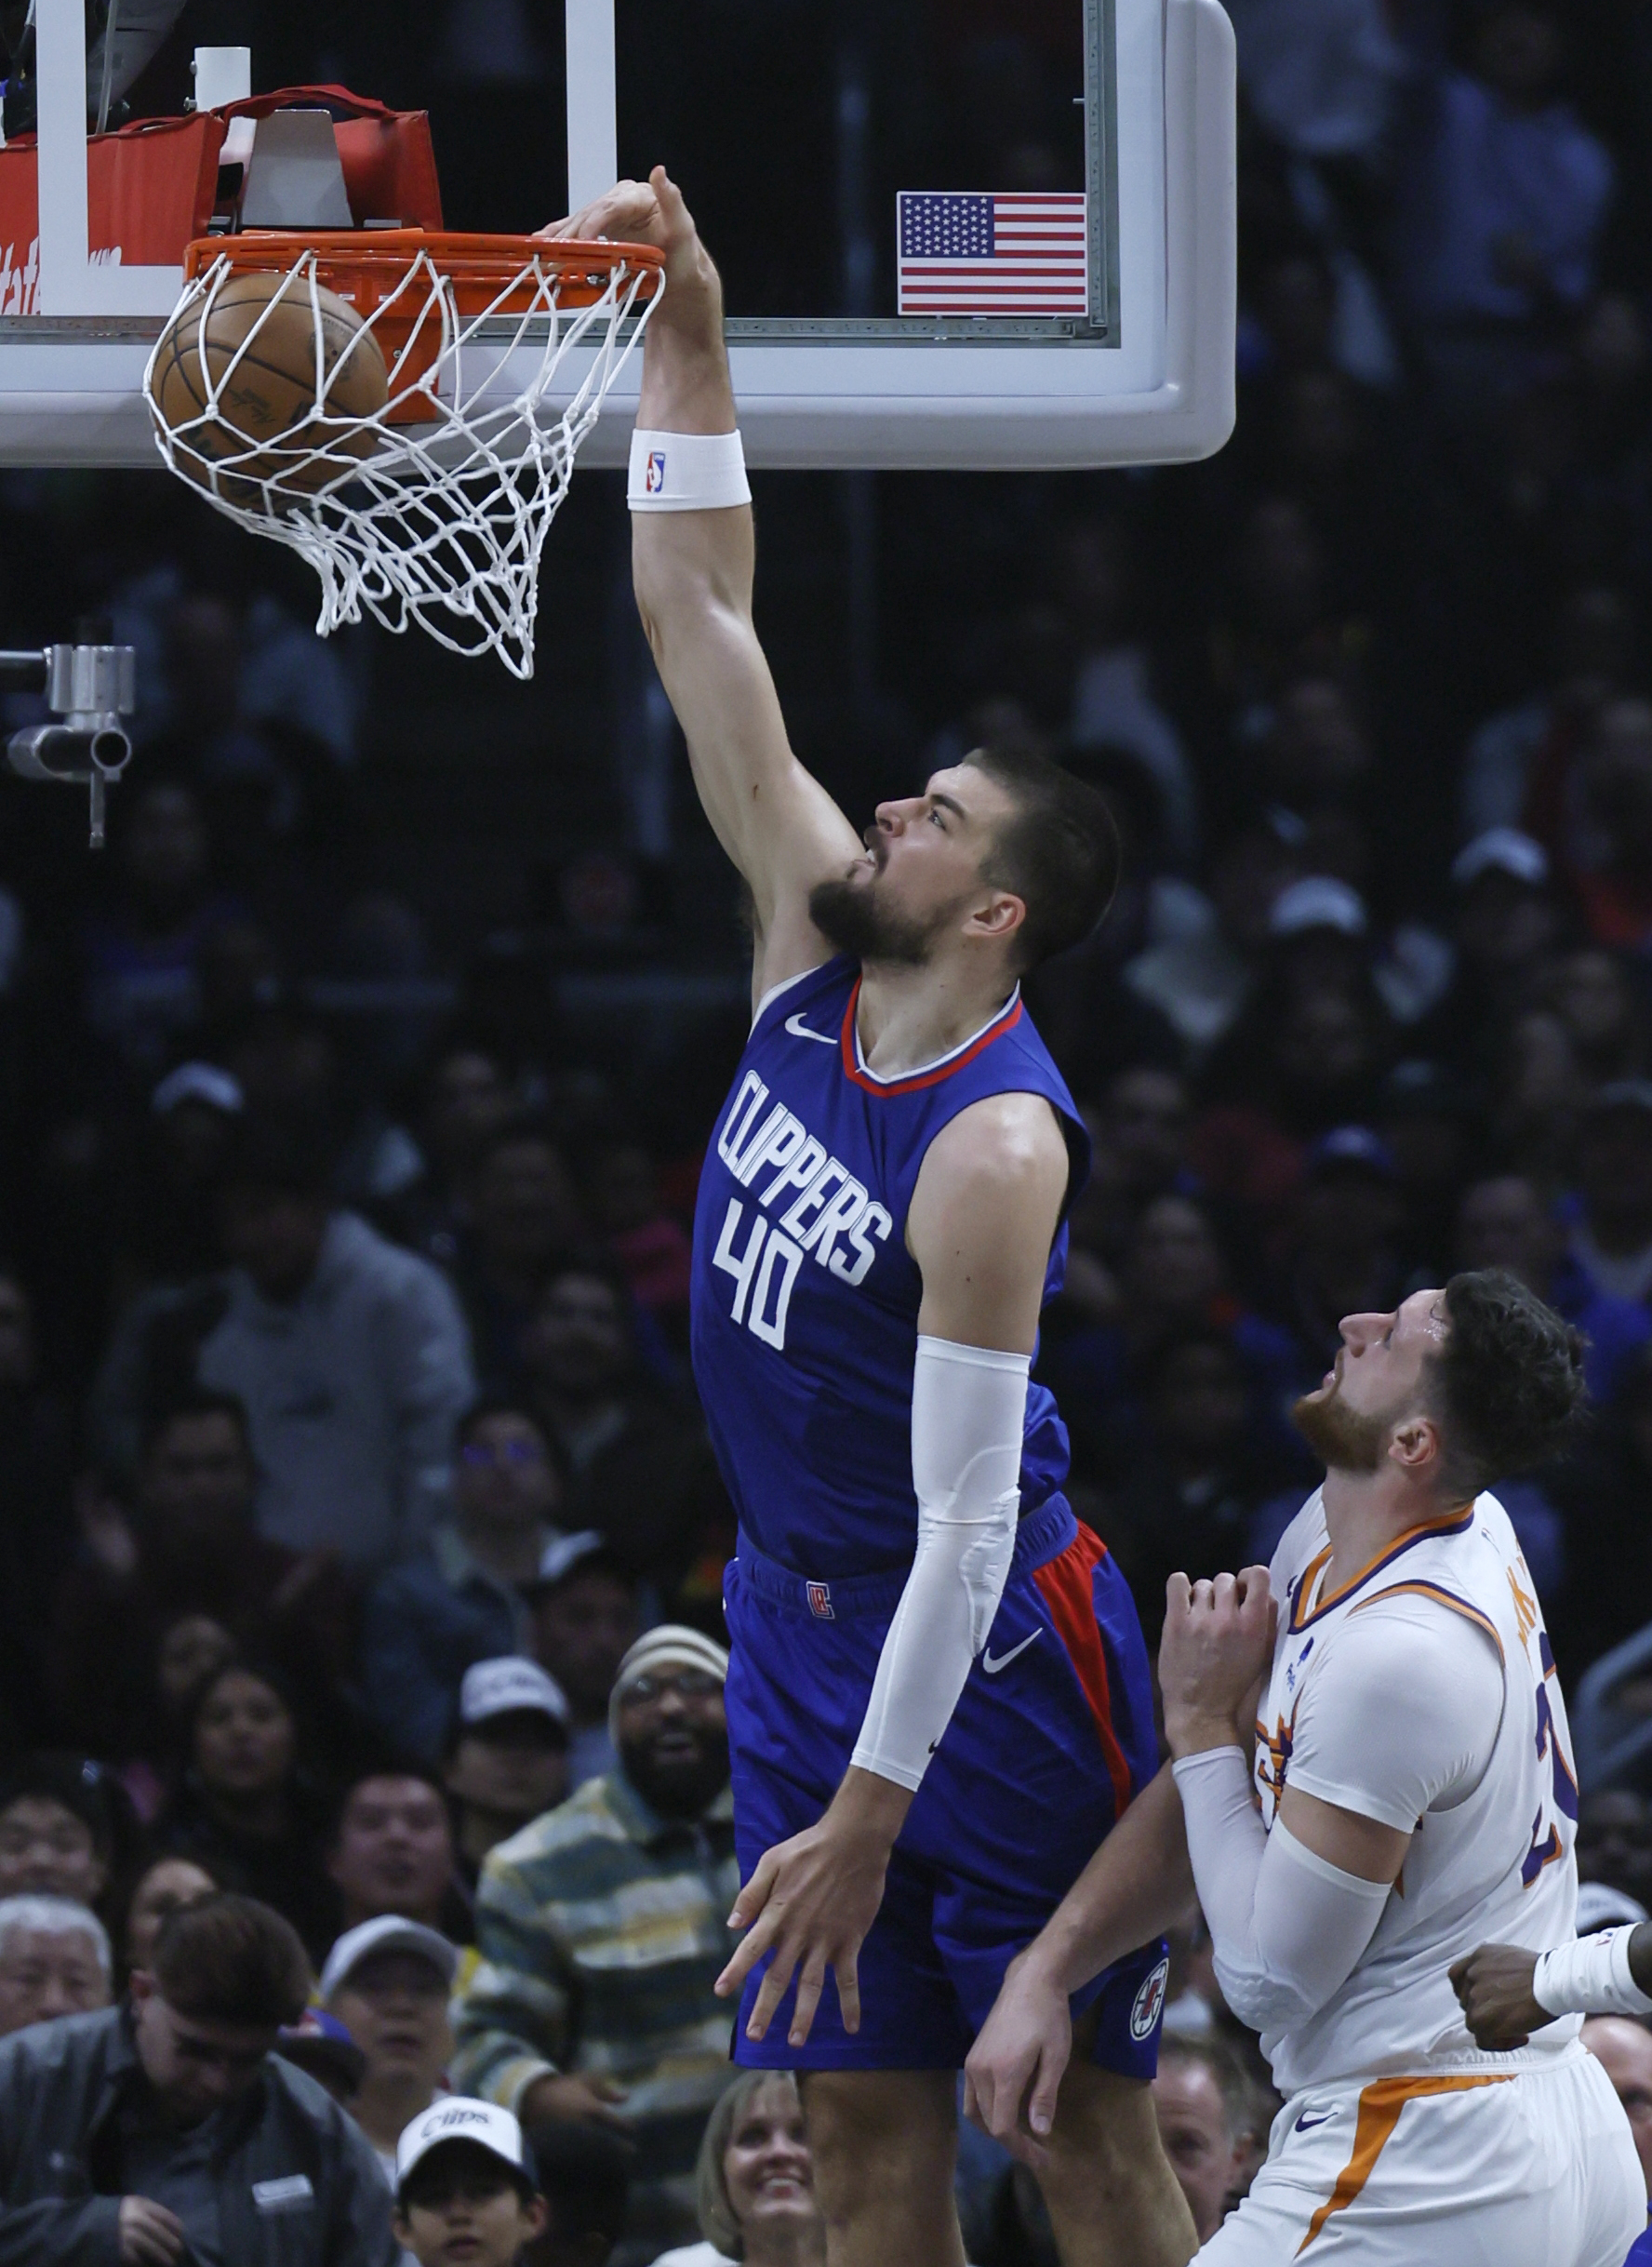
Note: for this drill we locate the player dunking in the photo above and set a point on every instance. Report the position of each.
(938, 1700)
(1416, 1796)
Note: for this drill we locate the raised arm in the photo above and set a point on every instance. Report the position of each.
(693, 572)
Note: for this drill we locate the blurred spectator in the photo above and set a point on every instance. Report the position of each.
(1516, 757)
(625, 1443)
(54, 1960)
(319, 2044)
(393, 1852)
(387, 1983)
(1320, 77)
(585, 1620)
(1506, 923)
(1426, 1120)
(1200, 2098)
(1344, 1254)
(1113, 698)
(1622, 2045)
(66, 1830)
(523, 1218)
(348, 1355)
(466, 1599)
(1505, 1223)
(1611, 1239)
(585, 1999)
(1591, 994)
(756, 2181)
(191, 2114)
(248, 1811)
(507, 1755)
(190, 1549)
(465, 2187)
(166, 1232)
(1613, 1842)
(584, 2178)
(1509, 188)
(650, 1244)
(142, 952)
(1201, 976)
(162, 1889)
(1610, 835)
(466, 1098)
(1198, 1474)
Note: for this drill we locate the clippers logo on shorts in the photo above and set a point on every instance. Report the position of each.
(819, 1601)
(1149, 2002)
(653, 473)
(805, 1204)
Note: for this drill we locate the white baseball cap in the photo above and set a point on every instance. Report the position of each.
(504, 1686)
(388, 1933)
(1502, 849)
(1319, 901)
(460, 2117)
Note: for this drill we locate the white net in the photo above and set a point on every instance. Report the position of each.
(439, 523)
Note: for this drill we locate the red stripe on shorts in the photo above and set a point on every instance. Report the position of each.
(1066, 1583)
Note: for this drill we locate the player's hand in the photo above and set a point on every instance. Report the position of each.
(575, 2098)
(811, 1901)
(1218, 1641)
(649, 212)
(1015, 2067)
(1494, 1986)
(148, 2235)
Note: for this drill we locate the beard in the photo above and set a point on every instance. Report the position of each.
(683, 1786)
(1341, 1438)
(851, 917)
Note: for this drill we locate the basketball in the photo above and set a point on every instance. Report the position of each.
(270, 396)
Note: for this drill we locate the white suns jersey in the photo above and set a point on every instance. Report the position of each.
(1491, 1864)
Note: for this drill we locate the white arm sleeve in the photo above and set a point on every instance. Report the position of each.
(969, 1404)
(1286, 1927)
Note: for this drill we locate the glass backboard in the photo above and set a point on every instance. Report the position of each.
(953, 233)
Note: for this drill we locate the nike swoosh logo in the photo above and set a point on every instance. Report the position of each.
(1003, 1659)
(800, 1030)
(1306, 2124)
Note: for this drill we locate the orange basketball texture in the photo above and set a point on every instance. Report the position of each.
(270, 396)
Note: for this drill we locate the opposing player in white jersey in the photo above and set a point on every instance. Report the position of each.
(1402, 1792)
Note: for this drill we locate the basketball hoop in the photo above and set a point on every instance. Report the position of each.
(434, 507)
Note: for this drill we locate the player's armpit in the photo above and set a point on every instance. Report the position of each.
(1342, 1838)
(982, 1219)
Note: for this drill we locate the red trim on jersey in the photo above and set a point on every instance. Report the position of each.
(1006, 1021)
(1067, 1585)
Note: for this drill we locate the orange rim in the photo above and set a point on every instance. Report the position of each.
(367, 267)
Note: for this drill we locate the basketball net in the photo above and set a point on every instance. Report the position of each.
(439, 522)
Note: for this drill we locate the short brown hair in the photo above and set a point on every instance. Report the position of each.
(1507, 1383)
(1059, 851)
(231, 1960)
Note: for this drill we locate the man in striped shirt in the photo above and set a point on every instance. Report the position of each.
(602, 1930)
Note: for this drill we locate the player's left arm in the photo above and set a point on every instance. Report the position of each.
(984, 1216)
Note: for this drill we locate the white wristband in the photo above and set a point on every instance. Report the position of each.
(686, 472)
(1590, 1977)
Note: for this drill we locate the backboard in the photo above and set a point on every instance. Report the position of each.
(971, 233)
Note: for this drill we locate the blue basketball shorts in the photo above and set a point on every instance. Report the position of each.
(1052, 1737)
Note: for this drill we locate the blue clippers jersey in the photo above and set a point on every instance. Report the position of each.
(804, 1297)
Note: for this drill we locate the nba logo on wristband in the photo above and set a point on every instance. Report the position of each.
(654, 480)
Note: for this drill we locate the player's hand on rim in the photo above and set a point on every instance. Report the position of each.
(1218, 1642)
(643, 212)
(1014, 2068)
(810, 1903)
(1494, 1987)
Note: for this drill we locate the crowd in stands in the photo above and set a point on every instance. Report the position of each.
(360, 1543)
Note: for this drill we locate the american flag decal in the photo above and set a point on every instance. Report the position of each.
(966, 252)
